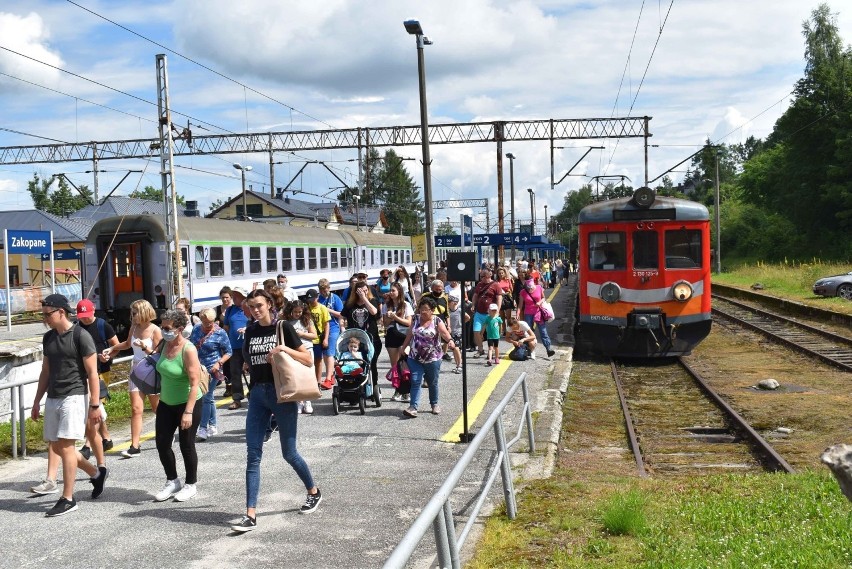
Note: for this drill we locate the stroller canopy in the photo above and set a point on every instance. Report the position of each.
(364, 338)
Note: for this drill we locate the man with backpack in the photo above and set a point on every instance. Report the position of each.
(104, 336)
(69, 377)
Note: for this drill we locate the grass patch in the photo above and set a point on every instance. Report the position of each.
(790, 280)
(117, 408)
(719, 521)
(624, 513)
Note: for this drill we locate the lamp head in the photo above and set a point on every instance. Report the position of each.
(530, 190)
(510, 156)
(413, 27)
(238, 166)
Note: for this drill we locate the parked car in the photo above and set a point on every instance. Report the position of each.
(840, 285)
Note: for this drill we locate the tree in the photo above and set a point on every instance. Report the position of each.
(216, 205)
(153, 194)
(63, 201)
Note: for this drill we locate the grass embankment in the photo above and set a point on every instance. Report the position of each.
(593, 512)
(790, 280)
(118, 412)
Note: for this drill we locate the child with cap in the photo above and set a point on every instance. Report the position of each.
(493, 325)
(456, 315)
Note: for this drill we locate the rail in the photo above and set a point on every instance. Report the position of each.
(439, 513)
(19, 408)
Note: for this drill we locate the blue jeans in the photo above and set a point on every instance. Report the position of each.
(263, 403)
(208, 406)
(418, 371)
(541, 328)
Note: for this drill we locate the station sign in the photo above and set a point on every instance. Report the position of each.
(63, 255)
(21, 242)
(497, 239)
(448, 241)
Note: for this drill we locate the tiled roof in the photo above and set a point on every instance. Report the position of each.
(367, 215)
(65, 230)
(120, 205)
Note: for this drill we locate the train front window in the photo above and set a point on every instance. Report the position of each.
(238, 266)
(683, 249)
(255, 264)
(607, 251)
(645, 249)
(217, 262)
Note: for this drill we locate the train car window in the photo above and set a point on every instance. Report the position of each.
(334, 259)
(407, 256)
(683, 249)
(199, 262)
(396, 256)
(607, 251)
(345, 258)
(286, 259)
(271, 260)
(183, 263)
(300, 258)
(372, 257)
(382, 257)
(255, 262)
(323, 258)
(312, 258)
(217, 262)
(238, 266)
(645, 249)
(363, 257)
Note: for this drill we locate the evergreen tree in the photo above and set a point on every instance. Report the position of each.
(63, 201)
(153, 194)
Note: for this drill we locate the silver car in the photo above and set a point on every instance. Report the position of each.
(840, 285)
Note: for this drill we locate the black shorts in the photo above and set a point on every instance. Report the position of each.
(493, 343)
(393, 338)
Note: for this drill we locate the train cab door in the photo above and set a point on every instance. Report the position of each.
(185, 273)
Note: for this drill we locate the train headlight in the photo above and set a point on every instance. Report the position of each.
(682, 291)
(610, 292)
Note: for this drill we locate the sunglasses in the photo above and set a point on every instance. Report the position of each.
(166, 328)
(44, 315)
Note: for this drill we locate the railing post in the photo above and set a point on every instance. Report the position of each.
(13, 399)
(439, 525)
(505, 469)
(22, 409)
(528, 415)
(451, 535)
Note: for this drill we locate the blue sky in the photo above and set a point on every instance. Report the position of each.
(720, 67)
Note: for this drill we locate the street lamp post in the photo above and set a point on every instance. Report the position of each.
(545, 220)
(243, 170)
(414, 28)
(532, 210)
(511, 158)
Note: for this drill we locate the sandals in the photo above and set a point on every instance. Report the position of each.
(235, 405)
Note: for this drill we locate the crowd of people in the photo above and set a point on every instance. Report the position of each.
(234, 343)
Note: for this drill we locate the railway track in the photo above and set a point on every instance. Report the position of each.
(826, 346)
(677, 424)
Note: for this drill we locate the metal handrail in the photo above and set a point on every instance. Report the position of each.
(19, 408)
(438, 512)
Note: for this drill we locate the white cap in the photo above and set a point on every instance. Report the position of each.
(492, 306)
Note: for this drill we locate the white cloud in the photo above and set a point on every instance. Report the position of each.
(28, 36)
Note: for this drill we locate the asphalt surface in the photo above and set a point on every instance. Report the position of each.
(376, 471)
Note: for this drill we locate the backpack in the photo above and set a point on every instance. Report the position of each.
(520, 354)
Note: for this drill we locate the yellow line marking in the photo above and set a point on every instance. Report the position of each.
(151, 434)
(477, 404)
(480, 398)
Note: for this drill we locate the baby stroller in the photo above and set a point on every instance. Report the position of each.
(353, 385)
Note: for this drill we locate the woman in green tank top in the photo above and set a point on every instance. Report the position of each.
(180, 372)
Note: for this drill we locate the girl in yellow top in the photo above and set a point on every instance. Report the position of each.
(180, 372)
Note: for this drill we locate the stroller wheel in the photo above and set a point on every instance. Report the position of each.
(362, 405)
(335, 404)
(377, 396)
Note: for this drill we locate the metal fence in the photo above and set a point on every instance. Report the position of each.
(19, 409)
(438, 511)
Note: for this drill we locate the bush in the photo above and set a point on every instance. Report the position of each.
(624, 513)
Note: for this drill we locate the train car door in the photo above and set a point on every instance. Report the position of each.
(185, 274)
(127, 271)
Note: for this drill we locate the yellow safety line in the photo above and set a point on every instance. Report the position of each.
(480, 398)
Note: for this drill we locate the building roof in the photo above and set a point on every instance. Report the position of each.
(120, 205)
(65, 230)
(369, 216)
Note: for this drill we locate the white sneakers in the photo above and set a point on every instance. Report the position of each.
(187, 492)
(171, 488)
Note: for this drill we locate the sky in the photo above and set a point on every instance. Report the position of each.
(721, 70)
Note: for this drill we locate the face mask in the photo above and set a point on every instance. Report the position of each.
(170, 335)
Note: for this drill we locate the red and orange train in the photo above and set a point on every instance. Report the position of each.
(644, 284)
